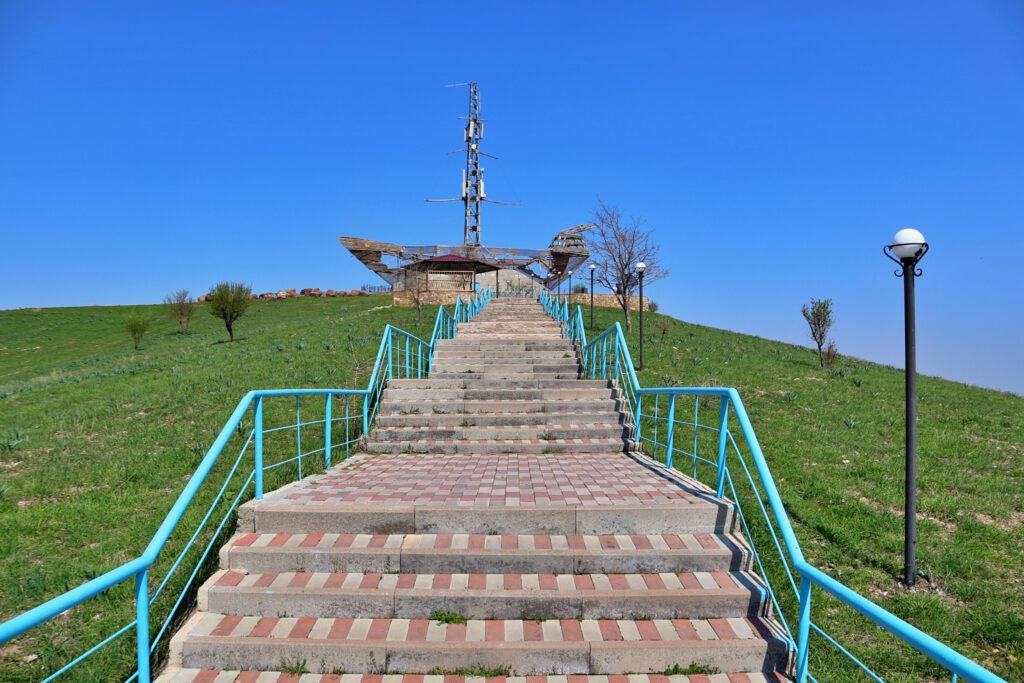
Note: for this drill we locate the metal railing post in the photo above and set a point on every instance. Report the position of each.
(723, 437)
(327, 432)
(258, 452)
(803, 630)
(636, 422)
(142, 624)
(670, 432)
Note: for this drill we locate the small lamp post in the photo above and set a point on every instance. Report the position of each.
(640, 267)
(907, 249)
(569, 295)
(592, 269)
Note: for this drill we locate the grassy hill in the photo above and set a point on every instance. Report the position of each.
(96, 441)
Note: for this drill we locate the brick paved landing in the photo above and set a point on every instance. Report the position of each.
(496, 480)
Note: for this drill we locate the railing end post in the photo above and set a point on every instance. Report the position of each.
(258, 449)
(142, 624)
(803, 630)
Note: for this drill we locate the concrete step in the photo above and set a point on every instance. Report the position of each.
(473, 380)
(484, 393)
(664, 595)
(499, 377)
(425, 418)
(570, 370)
(594, 444)
(483, 554)
(502, 357)
(566, 646)
(535, 434)
(218, 676)
(494, 343)
(428, 406)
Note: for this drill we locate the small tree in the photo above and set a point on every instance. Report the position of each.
(818, 315)
(228, 301)
(136, 328)
(579, 289)
(617, 246)
(180, 306)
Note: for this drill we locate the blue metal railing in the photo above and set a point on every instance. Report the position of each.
(400, 355)
(607, 356)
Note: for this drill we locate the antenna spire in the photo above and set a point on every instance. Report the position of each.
(473, 193)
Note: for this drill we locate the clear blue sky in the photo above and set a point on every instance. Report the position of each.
(147, 147)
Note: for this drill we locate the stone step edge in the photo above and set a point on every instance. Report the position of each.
(709, 586)
(571, 519)
(232, 676)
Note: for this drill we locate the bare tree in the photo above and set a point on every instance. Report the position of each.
(818, 315)
(180, 306)
(228, 301)
(416, 285)
(617, 246)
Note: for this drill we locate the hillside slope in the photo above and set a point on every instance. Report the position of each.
(96, 440)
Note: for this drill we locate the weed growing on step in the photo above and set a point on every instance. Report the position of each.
(477, 671)
(445, 616)
(551, 450)
(297, 667)
(547, 436)
(691, 669)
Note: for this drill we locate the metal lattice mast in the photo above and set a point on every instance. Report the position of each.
(473, 176)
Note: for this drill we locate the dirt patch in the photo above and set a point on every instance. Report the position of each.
(949, 526)
(1012, 521)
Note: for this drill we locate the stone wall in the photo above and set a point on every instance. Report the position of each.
(608, 300)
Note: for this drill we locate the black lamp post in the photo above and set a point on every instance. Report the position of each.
(592, 269)
(569, 295)
(907, 249)
(640, 271)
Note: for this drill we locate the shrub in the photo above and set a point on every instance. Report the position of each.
(819, 318)
(228, 301)
(652, 306)
(180, 306)
(579, 289)
(136, 328)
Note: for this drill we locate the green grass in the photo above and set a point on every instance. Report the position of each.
(97, 440)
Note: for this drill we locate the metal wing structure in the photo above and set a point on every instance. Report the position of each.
(567, 252)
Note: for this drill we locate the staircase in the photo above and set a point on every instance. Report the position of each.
(496, 524)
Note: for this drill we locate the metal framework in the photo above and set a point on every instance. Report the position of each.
(567, 251)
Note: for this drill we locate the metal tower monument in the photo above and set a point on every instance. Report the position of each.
(568, 249)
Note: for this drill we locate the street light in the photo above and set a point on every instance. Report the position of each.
(569, 295)
(907, 249)
(592, 269)
(640, 267)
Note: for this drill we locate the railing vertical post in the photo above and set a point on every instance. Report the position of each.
(408, 371)
(366, 411)
(696, 431)
(670, 431)
(258, 453)
(348, 437)
(298, 433)
(803, 630)
(723, 436)
(142, 624)
(327, 432)
(636, 419)
(604, 357)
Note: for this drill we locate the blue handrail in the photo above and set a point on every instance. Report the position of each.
(607, 356)
(400, 354)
